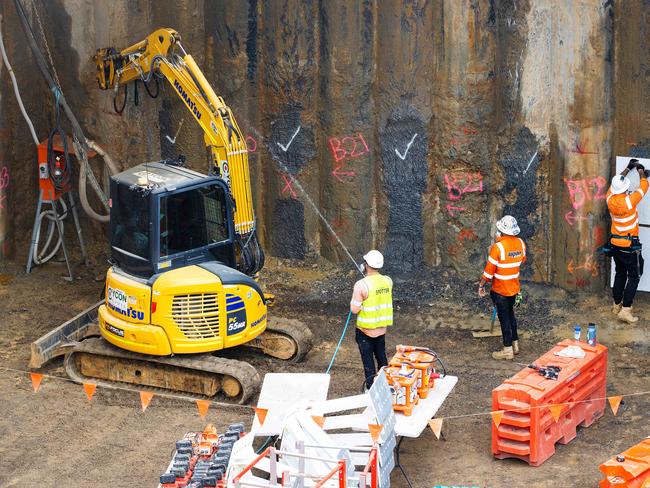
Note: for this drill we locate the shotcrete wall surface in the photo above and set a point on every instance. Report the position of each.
(413, 125)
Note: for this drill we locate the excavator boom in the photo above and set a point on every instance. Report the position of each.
(161, 54)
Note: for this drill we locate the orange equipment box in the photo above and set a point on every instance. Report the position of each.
(421, 361)
(527, 429)
(630, 469)
(403, 383)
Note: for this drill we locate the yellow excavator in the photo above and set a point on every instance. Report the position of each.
(184, 255)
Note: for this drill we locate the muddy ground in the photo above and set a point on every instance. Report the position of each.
(55, 438)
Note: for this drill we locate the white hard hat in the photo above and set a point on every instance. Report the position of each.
(620, 184)
(374, 259)
(508, 225)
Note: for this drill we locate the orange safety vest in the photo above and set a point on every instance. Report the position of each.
(625, 217)
(506, 256)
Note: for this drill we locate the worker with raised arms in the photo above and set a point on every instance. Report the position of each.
(624, 242)
(507, 255)
(372, 300)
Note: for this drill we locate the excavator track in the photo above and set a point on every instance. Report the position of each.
(284, 338)
(200, 376)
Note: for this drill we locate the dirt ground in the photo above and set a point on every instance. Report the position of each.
(55, 438)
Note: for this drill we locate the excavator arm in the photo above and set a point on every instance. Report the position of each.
(161, 54)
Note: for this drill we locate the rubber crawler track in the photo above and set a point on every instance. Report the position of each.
(297, 331)
(244, 373)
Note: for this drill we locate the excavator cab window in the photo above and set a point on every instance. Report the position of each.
(130, 229)
(192, 219)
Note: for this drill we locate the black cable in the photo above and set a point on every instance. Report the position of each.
(42, 65)
(60, 174)
(136, 95)
(126, 93)
(146, 87)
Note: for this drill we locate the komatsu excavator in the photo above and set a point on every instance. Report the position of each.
(184, 256)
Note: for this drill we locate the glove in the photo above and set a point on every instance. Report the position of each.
(634, 163)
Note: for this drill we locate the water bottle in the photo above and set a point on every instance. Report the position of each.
(577, 332)
(591, 334)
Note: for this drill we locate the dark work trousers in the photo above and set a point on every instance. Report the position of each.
(629, 268)
(506, 313)
(371, 348)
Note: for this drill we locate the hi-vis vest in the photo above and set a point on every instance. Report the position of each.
(625, 218)
(377, 309)
(504, 261)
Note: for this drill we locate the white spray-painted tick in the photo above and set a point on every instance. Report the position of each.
(408, 146)
(286, 148)
(531, 161)
(173, 141)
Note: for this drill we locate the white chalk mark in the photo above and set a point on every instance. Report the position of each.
(531, 161)
(408, 146)
(285, 148)
(173, 141)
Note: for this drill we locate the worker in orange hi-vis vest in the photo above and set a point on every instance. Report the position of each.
(502, 269)
(625, 246)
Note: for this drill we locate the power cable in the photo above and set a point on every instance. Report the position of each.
(14, 83)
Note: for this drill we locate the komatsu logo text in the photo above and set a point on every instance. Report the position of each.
(188, 101)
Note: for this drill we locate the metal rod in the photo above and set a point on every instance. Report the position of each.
(59, 225)
(78, 226)
(313, 458)
(301, 463)
(32, 243)
(355, 449)
(273, 473)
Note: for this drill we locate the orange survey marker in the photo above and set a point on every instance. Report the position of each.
(403, 382)
(538, 411)
(630, 469)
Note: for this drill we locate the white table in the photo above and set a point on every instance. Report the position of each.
(413, 425)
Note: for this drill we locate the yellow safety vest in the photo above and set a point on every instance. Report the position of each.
(377, 309)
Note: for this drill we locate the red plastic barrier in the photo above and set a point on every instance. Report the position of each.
(528, 430)
(630, 469)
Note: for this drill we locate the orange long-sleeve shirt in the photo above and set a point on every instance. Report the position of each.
(502, 268)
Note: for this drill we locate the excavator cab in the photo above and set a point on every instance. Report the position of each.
(165, 217)
(174, 287)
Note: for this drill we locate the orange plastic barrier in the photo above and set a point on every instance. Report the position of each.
(528, 430)
(630, 469)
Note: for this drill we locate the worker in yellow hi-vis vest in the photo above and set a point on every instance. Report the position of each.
(372, 299)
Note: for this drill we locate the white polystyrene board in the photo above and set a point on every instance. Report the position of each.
(644, 205)
(354, 439)
(241, 456)
(348, 421)
(644, 283)
(283, 393)
(301, 427)
(382, 406)
(340, 404)
(414, 424)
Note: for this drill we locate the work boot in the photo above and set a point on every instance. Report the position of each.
(506, 353)
(626, 315)
(515, 347)
(616, 308)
